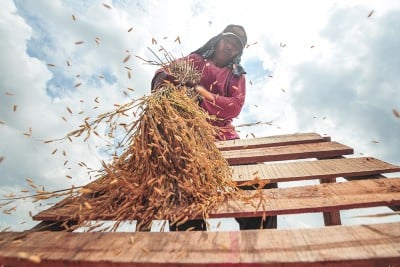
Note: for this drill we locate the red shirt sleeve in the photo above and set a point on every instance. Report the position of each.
(229, 93)
(227, 105)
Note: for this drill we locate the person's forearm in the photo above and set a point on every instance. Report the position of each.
(205, 94)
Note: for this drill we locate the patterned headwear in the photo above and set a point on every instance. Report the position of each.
(208, 49)
(238, 32)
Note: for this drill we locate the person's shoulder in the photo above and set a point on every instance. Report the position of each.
(195, 56)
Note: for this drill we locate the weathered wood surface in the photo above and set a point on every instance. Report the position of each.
(289, 152)
(316, 169)
(294, 171)
(315, 198)
(331, 217)
(272, 153)
(363, 245)
(269, 141)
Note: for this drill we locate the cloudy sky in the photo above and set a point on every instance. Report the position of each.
(312, 66)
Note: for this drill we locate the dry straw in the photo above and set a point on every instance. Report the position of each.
(170, 167)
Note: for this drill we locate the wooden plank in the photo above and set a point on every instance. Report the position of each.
(314, 198)
(269, 141)
(290, 152)
(293, 171)
(316, 169)
(362, 245)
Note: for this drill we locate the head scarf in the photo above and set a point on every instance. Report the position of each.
(208, 49)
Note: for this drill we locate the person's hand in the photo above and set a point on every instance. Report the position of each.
(172, 79)
(163, 77)
(190, 84)
(160, 78)
(204, 93)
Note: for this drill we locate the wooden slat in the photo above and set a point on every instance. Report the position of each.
(269, 141)
(316, 169)
(315, 198)
(355, 246)
(281, 172)
(290, 152)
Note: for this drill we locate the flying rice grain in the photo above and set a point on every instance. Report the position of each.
(396, 113)
(168, 151)
(126, 58)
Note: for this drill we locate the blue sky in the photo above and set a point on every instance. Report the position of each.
(312, 66)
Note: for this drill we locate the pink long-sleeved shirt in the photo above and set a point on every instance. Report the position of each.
(229, 92)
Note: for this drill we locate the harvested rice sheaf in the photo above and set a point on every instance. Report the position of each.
(170, 167)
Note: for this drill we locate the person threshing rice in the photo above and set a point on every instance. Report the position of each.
(222, 85)
(221, 90)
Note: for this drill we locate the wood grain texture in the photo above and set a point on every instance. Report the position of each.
(289, 152)
(315, 198)
(331, 217)
(316, 169)
(269, 141)
(349, 246)
(277, 172)
(364, 245)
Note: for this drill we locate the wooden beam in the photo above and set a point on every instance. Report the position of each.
(290, 152)
(269, 141)
(349, 246)
(314, 198)
(308, 170)
(332, 217)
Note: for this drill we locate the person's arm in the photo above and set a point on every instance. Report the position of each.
(160, 78)
(204, 93)
(163, 74)
(226, 107)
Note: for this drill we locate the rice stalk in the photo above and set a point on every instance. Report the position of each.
(170, 167)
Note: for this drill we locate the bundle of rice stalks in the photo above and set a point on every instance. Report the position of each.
(170, 167)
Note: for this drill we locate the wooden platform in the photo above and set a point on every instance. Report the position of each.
(363, 246)
(317, 198)
(301, 157)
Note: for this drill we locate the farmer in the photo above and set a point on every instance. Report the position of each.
(222, 88)
(222, 85)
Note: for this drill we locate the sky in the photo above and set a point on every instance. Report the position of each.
(329, 67)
